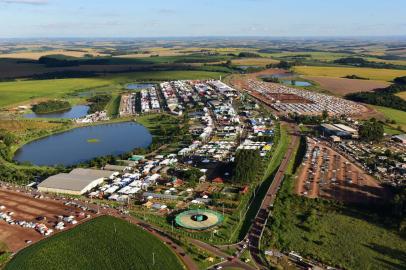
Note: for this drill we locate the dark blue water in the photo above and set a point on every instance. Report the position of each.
(77, 111)
(72, 147)
(138, 86)
(296, 83)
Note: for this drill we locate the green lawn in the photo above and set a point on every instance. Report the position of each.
(392, 114)
(337, 235)
(102, 243)
(20, 91)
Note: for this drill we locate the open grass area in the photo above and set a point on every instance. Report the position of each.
(102, 243)
(392, 114)
(254, 61)
(334, 234)
(371, 73)
(21, 91)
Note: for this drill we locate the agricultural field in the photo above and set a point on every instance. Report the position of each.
(102, 243)
(343, 86)
(12, 93)
(335, 234)
(402, 95)
(320, 56)
(339, 72)
(253, 62)
(34, 55)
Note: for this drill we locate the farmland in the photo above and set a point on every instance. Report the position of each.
(342, 86)
(402, 95)
(370, 73)
(19, 91)
(102, 243)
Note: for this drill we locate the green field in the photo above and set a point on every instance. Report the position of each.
(337, 235)
(102, 243)
(371, 73)
(392, 114)
(22, 91)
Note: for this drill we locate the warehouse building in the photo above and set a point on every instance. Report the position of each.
(77, 182)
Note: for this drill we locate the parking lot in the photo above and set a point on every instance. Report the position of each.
(327, 174)
(23, 208)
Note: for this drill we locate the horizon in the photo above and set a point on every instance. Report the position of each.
(179, 18)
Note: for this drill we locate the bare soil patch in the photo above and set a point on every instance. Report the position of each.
(343, 86)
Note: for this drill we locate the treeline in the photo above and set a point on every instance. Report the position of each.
(246, 166)
(355, 77)
(248, 54)
(98, 102)
(284, 65)
(361, 62)
(51, 106)
(383, 96)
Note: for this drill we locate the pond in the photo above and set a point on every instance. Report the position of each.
(296, 83)
(77, 111)
(85, 143)
(138, 86)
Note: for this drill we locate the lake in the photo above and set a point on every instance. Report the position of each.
(85, 143)
(296, 83)
(138, 86)
(77, 111)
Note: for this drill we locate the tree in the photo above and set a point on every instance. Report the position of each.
(371, 130)
(246, 166)
(324, 114)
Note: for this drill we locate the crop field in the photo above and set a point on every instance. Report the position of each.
(322, 56)
(392, 114)
(370, 73)
(20, 91)
(34, 55)
(402, 95)
(253, 61)
(342, 86)
(102, 243)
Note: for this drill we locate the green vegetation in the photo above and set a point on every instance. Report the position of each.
(93, 140)
(383, 97)
(371, 130)
(355, 77)
(361, 62)
(51, 106)
(246, 166)
(346, 236)
(338, 72)
(98, 102)
(21, 91)
(101, 243)
(248, 54)
(398, 118)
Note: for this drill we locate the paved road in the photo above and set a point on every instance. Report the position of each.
(258, 226)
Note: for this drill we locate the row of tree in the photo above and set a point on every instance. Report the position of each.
(98, 102)
(383, 96)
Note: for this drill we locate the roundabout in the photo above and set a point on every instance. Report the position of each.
(199, 219)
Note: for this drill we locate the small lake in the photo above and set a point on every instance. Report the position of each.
(85, 143)
(75, 112)
(138, 86)
(296, 83)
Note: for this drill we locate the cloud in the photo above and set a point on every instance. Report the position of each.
(25, 2)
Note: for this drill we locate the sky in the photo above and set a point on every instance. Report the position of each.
(175, 18)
